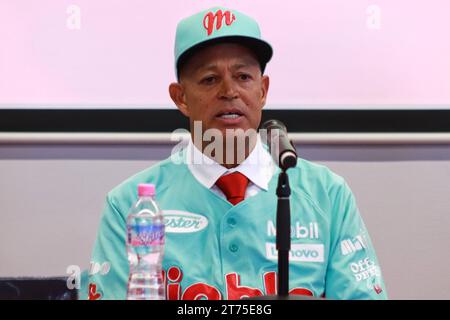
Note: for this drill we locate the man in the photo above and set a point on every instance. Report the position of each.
(220, 203)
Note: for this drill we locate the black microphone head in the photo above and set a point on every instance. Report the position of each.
(288, 160)
(273, 124)
(281, 148)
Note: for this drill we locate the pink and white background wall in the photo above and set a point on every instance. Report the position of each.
(337, 54)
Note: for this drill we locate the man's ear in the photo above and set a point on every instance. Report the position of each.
(264, 89)
(176, 91)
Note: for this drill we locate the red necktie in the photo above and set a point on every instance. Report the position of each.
(233, 185)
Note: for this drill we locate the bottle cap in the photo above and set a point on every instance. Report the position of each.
(146, 189)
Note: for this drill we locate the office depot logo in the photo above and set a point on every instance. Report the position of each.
(299, 252)
(365, 269)
(184, 222)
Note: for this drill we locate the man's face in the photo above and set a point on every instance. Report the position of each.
(222, 87)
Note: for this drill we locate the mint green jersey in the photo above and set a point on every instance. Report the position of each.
(215, 250)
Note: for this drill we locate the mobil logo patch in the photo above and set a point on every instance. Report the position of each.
(184, 222)
(299, 252)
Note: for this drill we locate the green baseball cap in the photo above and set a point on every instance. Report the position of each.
(217, 25)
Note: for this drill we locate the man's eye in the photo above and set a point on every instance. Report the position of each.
(244, 77)
(208, 80)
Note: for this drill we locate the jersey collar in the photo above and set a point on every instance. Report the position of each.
(258, 167)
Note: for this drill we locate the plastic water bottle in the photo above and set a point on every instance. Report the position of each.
(145, 247)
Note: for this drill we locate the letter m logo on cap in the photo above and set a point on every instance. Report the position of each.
(212, 18)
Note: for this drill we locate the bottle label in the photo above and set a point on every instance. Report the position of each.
(147, 235)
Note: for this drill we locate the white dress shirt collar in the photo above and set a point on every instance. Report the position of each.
(258, 167)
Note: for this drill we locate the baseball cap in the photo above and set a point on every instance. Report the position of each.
(217, 25)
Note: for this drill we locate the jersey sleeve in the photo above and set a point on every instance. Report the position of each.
(353, 268)
(109, 264)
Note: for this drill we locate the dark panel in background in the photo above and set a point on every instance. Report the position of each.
(163, 120)
(36, 289)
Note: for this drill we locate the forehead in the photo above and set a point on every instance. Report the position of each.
(229, 53)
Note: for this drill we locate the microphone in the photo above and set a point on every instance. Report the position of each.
(280, 147)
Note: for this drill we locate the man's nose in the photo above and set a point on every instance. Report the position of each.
(228, 89)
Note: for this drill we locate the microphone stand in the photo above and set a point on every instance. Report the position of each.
(283, 233)
(283, 242)
(286, 158)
